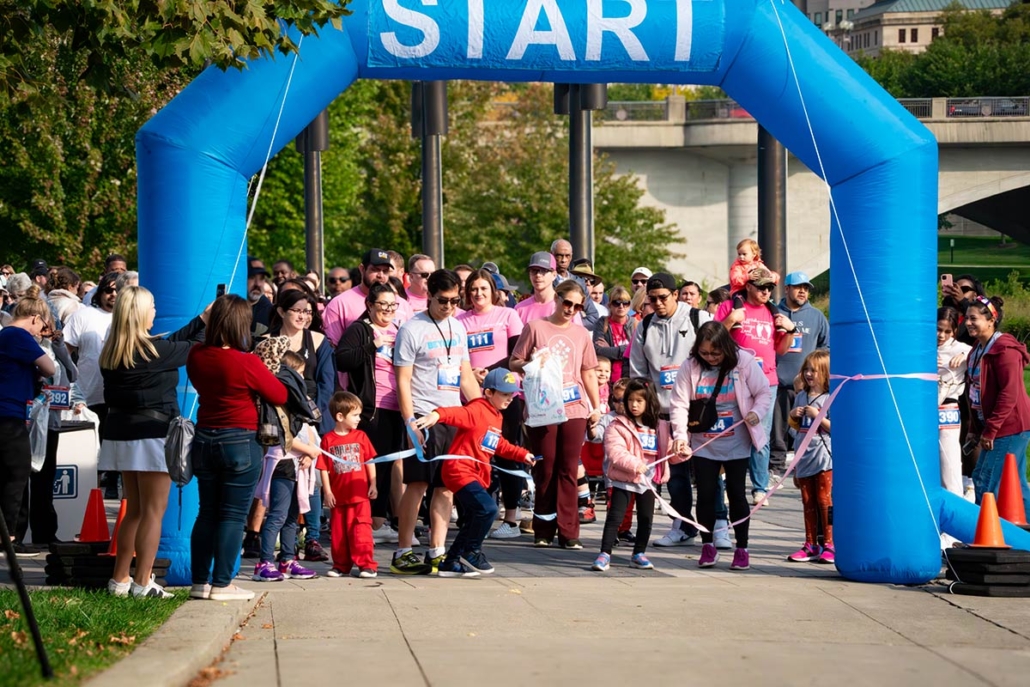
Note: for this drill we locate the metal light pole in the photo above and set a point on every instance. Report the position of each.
(578, 101)
(311, 142)
(772, 202)
(429, 122)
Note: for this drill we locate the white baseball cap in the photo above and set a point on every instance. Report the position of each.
(642, 270)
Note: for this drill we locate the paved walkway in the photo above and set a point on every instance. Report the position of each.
(530, 624)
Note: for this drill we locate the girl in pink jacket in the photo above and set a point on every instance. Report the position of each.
(630, 449)
(743, 396)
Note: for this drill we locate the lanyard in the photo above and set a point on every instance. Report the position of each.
(450, 333)
(974, 360)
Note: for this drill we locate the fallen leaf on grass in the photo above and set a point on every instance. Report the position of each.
(19, 638)
(79, 634)
(122, 639)
(74, 670)
(12, 615)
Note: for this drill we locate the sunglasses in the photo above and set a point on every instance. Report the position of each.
(337, 280)
(620, 304)
(388, 307)
(639, 281)
(420, 275)
(763, 287)
(576, 307)
(110, 289)
(967, 289)
(659, 299)
(448, 301)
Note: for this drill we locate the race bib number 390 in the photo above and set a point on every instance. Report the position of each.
(949, 417)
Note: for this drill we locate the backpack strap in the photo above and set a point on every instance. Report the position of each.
(695, 319)
(644, 326)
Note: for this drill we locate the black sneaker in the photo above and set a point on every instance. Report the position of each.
(456, 568)
(408, 564)
(313, 551)
(23, 550)
(478, 562)
(627, 537)
(252, 545)
(433, 562)
(421, 532)
(573, 545)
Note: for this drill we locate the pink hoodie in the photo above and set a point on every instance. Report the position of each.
(623, 453)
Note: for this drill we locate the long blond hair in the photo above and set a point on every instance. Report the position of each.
(129, 334)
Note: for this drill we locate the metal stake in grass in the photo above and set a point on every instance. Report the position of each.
(23, 594)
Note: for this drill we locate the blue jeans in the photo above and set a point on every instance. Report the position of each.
(758, 467)
(987, 473)
(227, 464)
(479, 510)
(280, 520)
(313, 518)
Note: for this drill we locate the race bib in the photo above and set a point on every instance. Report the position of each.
(448, 378)
(806, 422)
(948, 417)
(761, 363)
(720, 426)
(795, 343)
(974, 396)
(490, 440)
(385, 352)
(570, 394)
(481, 341)
(60, 397)
(649, 442)
(667, 376)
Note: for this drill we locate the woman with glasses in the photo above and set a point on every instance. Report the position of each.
(557, 509)
(743, 397)
(365, 353)
(614, 332)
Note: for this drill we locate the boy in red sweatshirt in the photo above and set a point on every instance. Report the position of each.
(479, 436)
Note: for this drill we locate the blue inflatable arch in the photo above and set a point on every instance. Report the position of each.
(196, 156)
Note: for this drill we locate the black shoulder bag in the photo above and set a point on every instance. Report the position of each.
(702, 414)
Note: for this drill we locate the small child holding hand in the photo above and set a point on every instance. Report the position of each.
(348, 486)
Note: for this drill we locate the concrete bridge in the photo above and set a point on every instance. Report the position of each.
(697, 161)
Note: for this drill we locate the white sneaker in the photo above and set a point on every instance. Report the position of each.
(152, 590)
(200, 591)
(506, 531)
(118, 588)
(384, 535)
(675, 537)
(721, 535)
(454, 515)
(230, 593)
(968, 490)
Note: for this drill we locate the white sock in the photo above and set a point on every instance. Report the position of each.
(438, 551)
(401, 552)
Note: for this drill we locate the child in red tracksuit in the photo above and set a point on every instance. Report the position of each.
(479, 436)
(348, 485)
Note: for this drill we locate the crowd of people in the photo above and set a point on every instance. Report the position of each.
(371, 376)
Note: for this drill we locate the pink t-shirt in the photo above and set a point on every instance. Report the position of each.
(756, 333)
(488, 334)
(618, 339)
(417, 303)
(529, 310)
(574, 350)
(348, 307)
(386, 379)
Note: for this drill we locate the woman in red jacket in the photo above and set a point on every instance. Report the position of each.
(998, 404)
(226, 456)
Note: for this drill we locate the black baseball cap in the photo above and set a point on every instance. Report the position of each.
(376, 257)
(661, 281)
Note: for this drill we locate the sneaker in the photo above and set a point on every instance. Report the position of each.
(408, 564)
(709, 556)
(626, 537)
(367, 574)
(419, 533)
(455, 568)
(721, 535)
(676, 537)
(252, 545)
(200, 591)
(526, 525)
(602, 562)
(266, 572)
(384, 535)
(573, 545)
(756, 496)
(26, 550)
(454, 514)
(335, 572)
(587, 515)
(806, 553)
(639, 560)
(231, 593)
(292, 570)
(507, 530)
(314, 552)
(827, 556)
(541, 543)
(741, 560)
(118, 588)
(434, 562)
(477, 561)
(152, 590)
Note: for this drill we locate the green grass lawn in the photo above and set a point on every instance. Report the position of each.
(84, 632)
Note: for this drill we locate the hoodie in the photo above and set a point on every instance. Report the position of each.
(659, 349)
(624, 451)
(1003, 399)
(479, 436)
(813, 333)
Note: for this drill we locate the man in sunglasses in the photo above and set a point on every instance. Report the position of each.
(768, 336)
(661, 343)
(431, 361)
(337, 281)
(419, 268)
(639, 278)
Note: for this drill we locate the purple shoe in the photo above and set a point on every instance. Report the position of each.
(827, 556)
(741, 560)
(808, 552)
(292, 570)
(266, 572)
(709, 555)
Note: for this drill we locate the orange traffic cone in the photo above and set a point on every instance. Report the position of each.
(94, 524)
(988, 527)
(112, 550)
(1010, 494)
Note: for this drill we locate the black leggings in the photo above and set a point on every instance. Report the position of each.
(386, 432)
(511, 487)
(706, 473)
(617, 511)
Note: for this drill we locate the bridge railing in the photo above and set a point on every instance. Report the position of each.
(678, 109)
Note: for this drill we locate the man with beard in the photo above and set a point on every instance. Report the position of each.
(261, 307)
(375, 267)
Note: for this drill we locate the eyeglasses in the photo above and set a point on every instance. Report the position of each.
(620, 304)
(659, 298)
(298, 311)
(638, 282)
(388, 307)
(420, 275)
(448, 301)
(576, 307)
(337, 280)
(763, 287)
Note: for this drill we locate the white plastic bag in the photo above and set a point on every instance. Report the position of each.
(39, 420)
(542, 385)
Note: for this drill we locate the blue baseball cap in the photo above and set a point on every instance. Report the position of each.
(501, 380)
(797, 279)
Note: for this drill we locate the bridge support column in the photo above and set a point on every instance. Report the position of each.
(741, 206)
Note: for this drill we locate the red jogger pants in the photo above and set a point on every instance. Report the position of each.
(352, 537)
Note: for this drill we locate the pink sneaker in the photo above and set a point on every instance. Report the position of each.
(709, 555)
(827, 556)
(741, 560)
(808, 552)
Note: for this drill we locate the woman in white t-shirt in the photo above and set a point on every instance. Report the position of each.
(951, 383)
